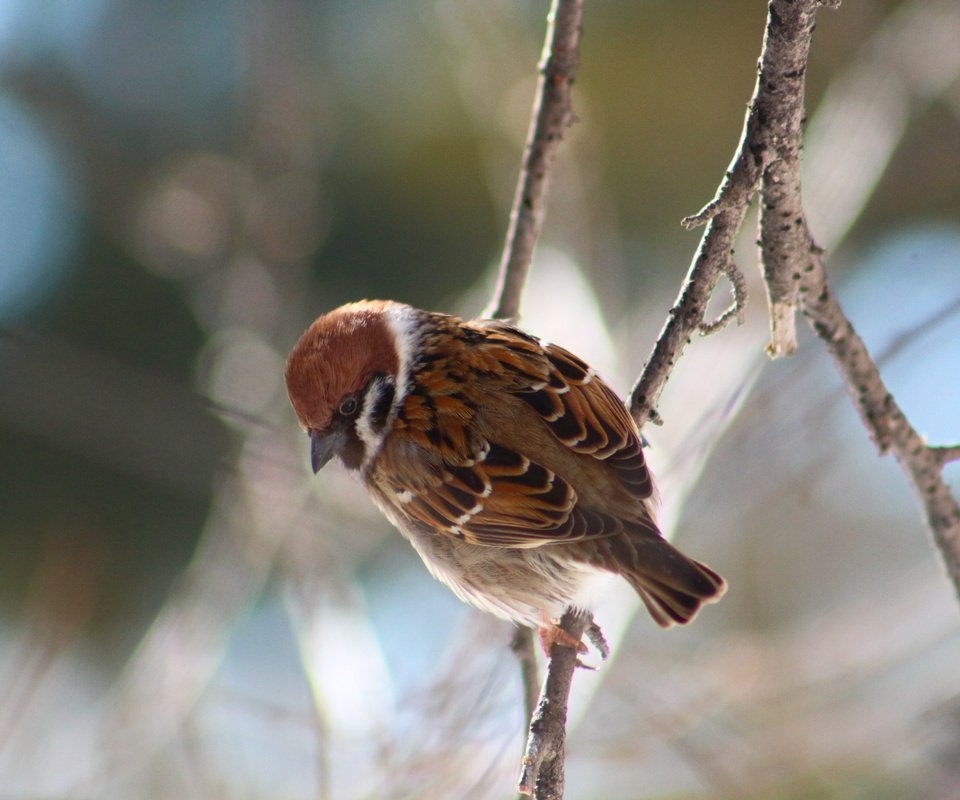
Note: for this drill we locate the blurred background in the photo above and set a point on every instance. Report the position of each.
(185, 611)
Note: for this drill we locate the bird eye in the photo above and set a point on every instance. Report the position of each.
(348, 406)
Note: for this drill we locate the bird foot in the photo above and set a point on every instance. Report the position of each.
(550, 634)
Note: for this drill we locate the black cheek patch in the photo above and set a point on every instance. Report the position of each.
(353, 451)
(382, 402)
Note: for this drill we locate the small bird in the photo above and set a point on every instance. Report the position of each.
(507, 462)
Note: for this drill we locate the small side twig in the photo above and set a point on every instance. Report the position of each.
(687, 315)
(552, 115)
(737, 308)
(947, 454)
(542, 768)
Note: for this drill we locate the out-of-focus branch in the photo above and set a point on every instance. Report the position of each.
(59, 605)
(542, 769)
(552, 115)
(523, 649)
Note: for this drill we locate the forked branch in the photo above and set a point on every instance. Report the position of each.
(774, 113)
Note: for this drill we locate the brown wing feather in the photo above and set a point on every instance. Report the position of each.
(480, 490)
(502, 499)
(587, 416)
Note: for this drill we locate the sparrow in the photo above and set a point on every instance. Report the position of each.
(512, 468)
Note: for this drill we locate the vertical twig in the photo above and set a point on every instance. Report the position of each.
(552, 115)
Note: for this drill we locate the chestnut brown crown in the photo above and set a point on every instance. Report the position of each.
(336, 357)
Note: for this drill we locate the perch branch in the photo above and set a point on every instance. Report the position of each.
(541, 770)
(552, 115)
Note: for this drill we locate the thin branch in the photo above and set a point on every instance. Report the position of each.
(785, 241)
(794, 273)
(889, 428)
(687, 315)
(552, 115)
(947, 454)
(737, 308)
(785, 246)
(542, 768)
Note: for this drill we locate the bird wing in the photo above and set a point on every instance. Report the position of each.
(440, 468)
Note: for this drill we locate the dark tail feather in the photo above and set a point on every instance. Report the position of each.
(672, 586)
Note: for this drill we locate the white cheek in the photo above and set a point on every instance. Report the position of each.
(372, 439)
(403, 324)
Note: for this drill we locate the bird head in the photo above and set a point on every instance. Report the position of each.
(342, 379)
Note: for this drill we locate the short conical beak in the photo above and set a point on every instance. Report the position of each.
(324, 446)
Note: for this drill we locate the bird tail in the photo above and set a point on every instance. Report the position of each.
(672, 586)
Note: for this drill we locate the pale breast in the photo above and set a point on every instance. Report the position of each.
(519, 585)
